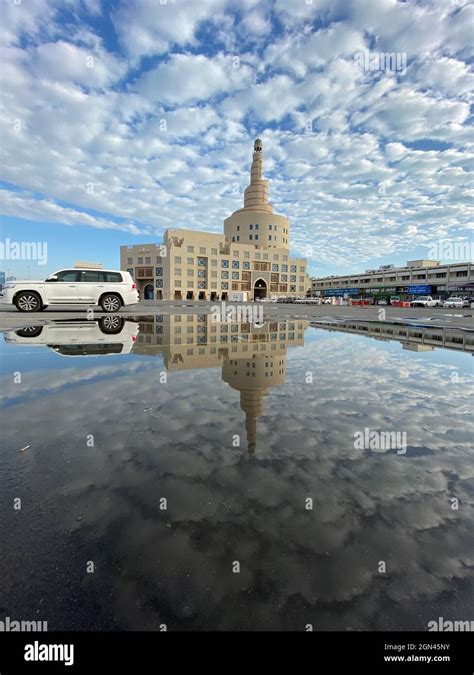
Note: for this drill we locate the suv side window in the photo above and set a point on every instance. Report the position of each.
(112, 277)
(94, 277)
(67, 276)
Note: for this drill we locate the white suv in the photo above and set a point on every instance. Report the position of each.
(111, 289)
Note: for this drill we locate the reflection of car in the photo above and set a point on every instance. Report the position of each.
(108, 335)
(454, 302)
(111, 289)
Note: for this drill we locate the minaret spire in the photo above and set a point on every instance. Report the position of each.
(256, 172)
(256, 195)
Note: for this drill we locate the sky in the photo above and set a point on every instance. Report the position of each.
(120, 119)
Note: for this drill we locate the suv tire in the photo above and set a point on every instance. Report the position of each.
(28, 301)
(110, 302)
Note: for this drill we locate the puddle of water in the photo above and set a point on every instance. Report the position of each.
(219, 476)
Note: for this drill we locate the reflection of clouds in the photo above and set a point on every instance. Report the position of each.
(298, 566)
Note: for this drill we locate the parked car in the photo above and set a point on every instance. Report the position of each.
(425, 301)
(382, 301)
(238, 296)
(454, 302)
(110, 289)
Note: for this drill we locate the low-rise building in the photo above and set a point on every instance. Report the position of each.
(251, 256)
(418, 277)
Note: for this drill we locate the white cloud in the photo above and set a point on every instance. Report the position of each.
(187, 77)
(147, 27)
(337, 140)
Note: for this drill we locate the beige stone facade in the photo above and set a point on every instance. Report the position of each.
(251, 256)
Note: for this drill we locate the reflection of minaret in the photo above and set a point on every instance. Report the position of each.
(253, 376)
(251, 402)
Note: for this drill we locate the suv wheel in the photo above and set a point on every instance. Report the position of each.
(28, 302)
(29, 331)
(110, 303)
(111, 325)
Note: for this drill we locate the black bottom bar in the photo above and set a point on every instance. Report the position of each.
(104, 652)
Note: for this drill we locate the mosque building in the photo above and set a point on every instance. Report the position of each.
(252, 256)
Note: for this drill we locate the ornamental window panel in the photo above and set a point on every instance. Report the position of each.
(274, 267)
(284, 268)
(235, 275)
(224, 275)
(293, 268)
(292, 277)
(246, 265)
(225, 285)
(235, 264)
(202, 261)
(201, 273)
(159, 283)
(202, 284)
(224, 263)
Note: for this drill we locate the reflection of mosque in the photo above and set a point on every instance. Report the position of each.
(252, 358)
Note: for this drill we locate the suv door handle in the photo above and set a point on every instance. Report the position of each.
(72, 286)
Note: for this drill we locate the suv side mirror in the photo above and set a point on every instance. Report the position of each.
(53, 277)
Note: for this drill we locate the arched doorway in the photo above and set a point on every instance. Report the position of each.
(260, 289)
(177, 295)
(148, 292)
(202, 295)
(189, 295)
